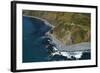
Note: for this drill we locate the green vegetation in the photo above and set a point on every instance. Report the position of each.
(70, 27)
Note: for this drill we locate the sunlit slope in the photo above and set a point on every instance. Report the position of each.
(70, 28)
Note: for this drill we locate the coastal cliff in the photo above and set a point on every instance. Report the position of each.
(70, 27)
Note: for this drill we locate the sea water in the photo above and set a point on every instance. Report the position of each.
(34, 49)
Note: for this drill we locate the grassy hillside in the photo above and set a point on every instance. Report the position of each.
(70, 27)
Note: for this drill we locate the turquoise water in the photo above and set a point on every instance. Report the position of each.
(34, 49)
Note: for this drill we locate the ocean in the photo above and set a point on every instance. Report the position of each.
(35, 49)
